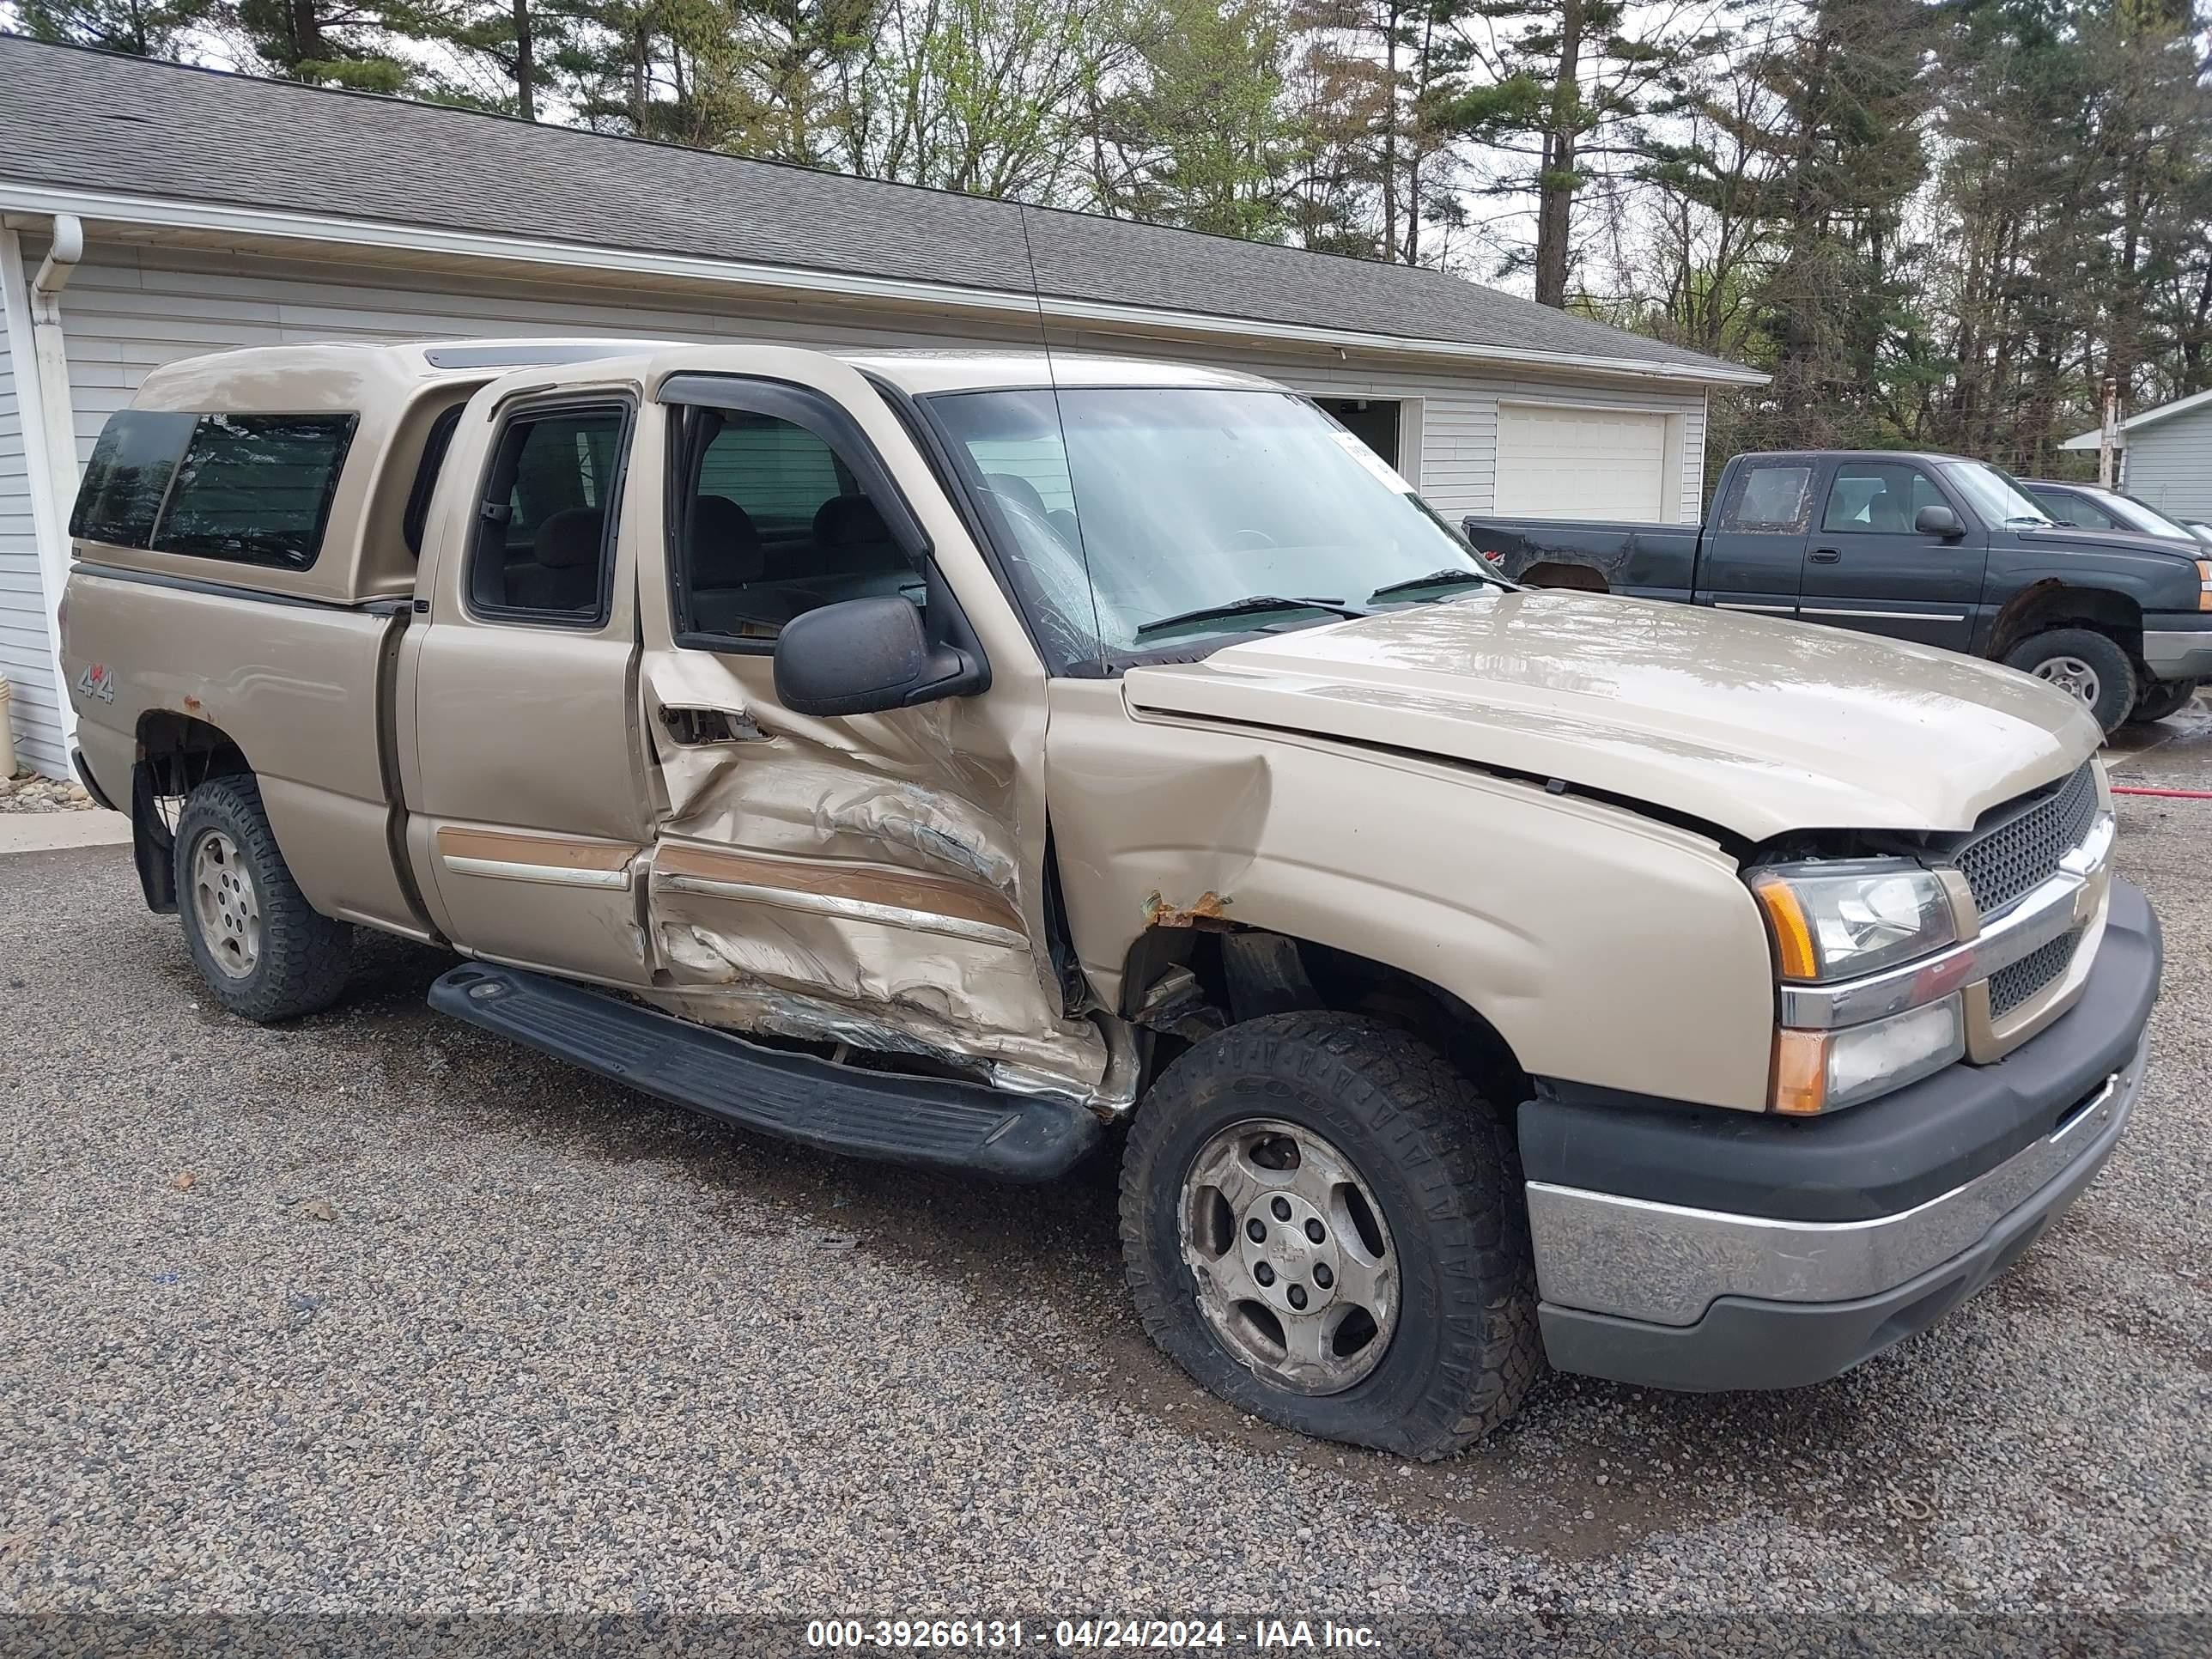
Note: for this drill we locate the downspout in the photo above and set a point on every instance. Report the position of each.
(36, 347)
(54, 273)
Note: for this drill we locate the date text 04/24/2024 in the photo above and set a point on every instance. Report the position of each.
(1086, 1634)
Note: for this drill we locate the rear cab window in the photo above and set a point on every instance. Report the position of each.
(1770, 497)
(248, 489)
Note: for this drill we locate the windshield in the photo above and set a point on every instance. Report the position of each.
(2135, 515)
(1993, 494)
(1134, 512)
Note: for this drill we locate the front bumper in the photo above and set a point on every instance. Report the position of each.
(2178, 646)
(1898, 1211)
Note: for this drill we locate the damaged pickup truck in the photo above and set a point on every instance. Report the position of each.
(976, 760)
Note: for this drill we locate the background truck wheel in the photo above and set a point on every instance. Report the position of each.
(2087, 666)
(2160, 698)
(1322, 1223)
(263, 950)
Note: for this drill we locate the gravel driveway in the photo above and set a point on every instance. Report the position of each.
(378, 1313)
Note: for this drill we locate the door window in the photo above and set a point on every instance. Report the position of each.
(1879, 498)
(2072, 510)
(1768, 498)
(775, 524)
(544, 540)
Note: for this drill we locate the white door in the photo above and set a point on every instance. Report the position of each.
(1581, 464)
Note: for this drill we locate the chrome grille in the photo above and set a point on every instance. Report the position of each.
(2010, 986)
(2022, 847)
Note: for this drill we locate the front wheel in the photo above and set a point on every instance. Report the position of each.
(2159, 699)
(264, 951)
(2088, 667)
(1322, 1223)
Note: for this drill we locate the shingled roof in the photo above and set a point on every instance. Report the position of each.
(79, 120)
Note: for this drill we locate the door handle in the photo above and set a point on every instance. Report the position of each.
(1824, 556)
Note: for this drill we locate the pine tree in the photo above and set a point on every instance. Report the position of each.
(144, 29)
(325, 42)
(1198, 136)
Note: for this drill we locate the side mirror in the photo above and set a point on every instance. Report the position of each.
(862, 656)
(1936, 519)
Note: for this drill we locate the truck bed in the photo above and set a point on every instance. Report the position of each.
(1653, 561)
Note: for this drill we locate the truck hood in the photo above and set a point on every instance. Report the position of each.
(1754, 724)
(2066, 536)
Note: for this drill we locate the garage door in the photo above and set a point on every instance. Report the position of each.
(1581, 464)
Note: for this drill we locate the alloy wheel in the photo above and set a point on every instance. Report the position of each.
(1292, 1259)
(226, 906)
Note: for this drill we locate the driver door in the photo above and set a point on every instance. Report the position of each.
(1871, 569)
(874, 880)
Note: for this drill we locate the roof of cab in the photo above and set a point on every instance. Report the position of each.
(346, 375)
(925, 372)
(341, 376)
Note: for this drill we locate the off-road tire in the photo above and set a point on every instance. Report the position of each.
(304, 957)
(2160, 698)
(2116, 679)
(1436, 1156)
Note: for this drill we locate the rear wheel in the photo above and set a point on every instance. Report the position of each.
(2161, 698)
(262, 949)
(2088, 667)
(1322, 1223)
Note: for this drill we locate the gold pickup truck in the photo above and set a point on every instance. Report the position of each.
(979, 759)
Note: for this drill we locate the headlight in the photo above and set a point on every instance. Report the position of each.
(1843, 918)
(1820, 1070)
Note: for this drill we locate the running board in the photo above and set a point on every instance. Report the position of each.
(933, 1121)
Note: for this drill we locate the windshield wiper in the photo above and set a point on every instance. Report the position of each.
(1453, 577)
(1239, 607)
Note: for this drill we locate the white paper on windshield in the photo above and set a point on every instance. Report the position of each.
(1367, 458)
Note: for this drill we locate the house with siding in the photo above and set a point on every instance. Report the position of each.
(150, 212)
(2165, 456)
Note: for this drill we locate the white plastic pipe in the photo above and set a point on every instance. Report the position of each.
(54, 272)
(7, 731)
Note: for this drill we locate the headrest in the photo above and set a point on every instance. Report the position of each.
(570, 538)
(726, 543)
(849, 521)
(1016, 488)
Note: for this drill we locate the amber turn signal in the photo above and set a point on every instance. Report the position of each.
(1793, 934)
(1801, 1072)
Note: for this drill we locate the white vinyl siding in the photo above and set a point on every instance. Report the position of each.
(2169, 466)
(25, 652)
(1584, 463)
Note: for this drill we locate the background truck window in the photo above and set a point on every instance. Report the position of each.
(1878, 498)
(1770, 498)
(776, 524)
(255, 488)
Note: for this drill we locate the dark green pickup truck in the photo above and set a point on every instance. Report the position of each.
(1935, 549)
